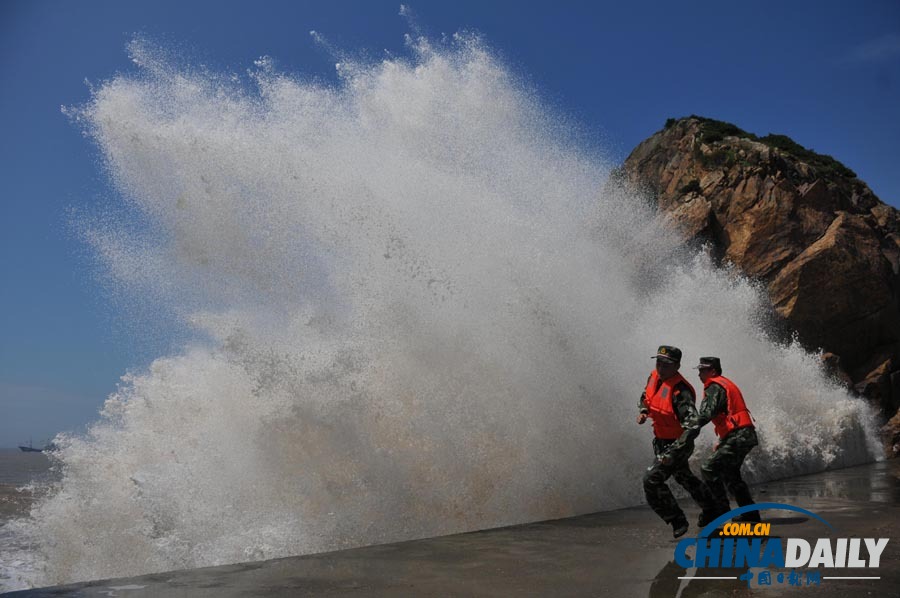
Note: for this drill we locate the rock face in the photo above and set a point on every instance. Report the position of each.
(826, 247)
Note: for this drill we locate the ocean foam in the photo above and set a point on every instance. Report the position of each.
(419, 311)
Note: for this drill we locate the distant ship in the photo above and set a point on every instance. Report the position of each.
(30, 448)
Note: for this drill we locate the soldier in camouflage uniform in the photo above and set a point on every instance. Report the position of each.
(723, 404)
(668, 400)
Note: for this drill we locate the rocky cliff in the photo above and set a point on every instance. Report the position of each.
(825, 246)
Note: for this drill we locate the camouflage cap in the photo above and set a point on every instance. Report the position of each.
(709, 362)
(668, 353)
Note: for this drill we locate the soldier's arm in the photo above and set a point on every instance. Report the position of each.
(642, 402)
(683, 405)
(643, 411)
(715, 401)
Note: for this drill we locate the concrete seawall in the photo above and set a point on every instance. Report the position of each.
(618, 553)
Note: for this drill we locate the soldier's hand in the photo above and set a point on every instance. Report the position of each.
(665, 459)
(641, 418)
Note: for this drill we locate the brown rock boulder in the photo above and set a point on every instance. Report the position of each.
(826, 247)
(838, 292)
(891, 435)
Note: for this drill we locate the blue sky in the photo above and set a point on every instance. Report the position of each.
(825, 73)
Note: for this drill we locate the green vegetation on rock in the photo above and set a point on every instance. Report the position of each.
(713, 131)
(825, 164)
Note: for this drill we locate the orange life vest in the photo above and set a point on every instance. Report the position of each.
(659, 403)
(736, 414)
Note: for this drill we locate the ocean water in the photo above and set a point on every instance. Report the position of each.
(17, 468)
(22, 476)
(24, 479)
(417, 309)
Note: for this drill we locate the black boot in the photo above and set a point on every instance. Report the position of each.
(743, 498)
(679, 527)
(707, 516)
(748, 517)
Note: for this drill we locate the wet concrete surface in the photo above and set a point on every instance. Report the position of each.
(617, 553)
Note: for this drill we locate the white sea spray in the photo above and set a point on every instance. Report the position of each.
(419, 310)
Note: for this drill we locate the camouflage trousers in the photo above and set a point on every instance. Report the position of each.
(723, 469)
(660, 498)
